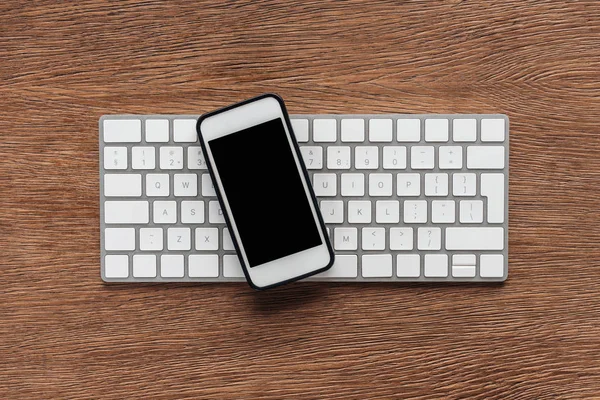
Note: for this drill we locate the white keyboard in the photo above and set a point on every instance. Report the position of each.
(405, 198)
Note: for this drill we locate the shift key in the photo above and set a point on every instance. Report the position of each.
(474, 238)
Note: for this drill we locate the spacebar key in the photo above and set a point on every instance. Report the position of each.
(474, 238)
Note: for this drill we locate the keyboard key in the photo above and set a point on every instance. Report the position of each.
(491, 265)
(179, 239)
(338, 157)
(325, 184)
(332, 211)
(377, 266)
(492, 130)
(196, 158)
(207, 238)
(324, 130)
(184, 130)
(415, 212)
(492, 187)
(300, 128)
(366, 157)
(171, 266)
(485, 157)
(464, 184)
(463, 265)
(157, 130)
(312, 156)
(463, 271)
(442, 211)
(450, 157)
(387, 212)
(380, 130)
(353, 130)
(208, 188)
(474, 238)
(436, 184)
(401, 239)
(203, 266)
(192, 212)
(345, 239)
(471, 211)
(232, 267)
(122, 130)
(436, 130)
(408, 130)
(215, 214)
(380, 184)
(353, 185)
(119, 239)
(115, 158)
(408, 265)
(151, 239)
(144, 266)
(464, 259)
(171, 157)
(116, 266)
(227, 241)
(185, 185)
(394, 157)
(157, 185)
(122, 185)
(344, 266)
(436, 265)
(373, 238)
(359, 212)
(429, 238)
(408, 184)
(464, 130)
(421, 157)
(165, 212)
(126, 212)
(143, 157)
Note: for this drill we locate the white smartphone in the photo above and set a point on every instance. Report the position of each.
(265, 193)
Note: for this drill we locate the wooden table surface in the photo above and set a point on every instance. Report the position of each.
(65, 334)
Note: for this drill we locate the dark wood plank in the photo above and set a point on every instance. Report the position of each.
(65, 334)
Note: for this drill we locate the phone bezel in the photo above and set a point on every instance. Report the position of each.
(297, 266)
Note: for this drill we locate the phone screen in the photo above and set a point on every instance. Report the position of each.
(262, 184)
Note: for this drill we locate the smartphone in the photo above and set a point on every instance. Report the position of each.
(265, 192)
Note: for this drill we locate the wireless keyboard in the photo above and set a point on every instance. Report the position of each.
(405, 198)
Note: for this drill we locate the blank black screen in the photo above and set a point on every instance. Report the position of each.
(263, 186)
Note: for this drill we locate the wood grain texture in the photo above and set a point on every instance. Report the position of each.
(65, 334)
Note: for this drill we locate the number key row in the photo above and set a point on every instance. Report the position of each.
(144, 157)
(395, 157)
